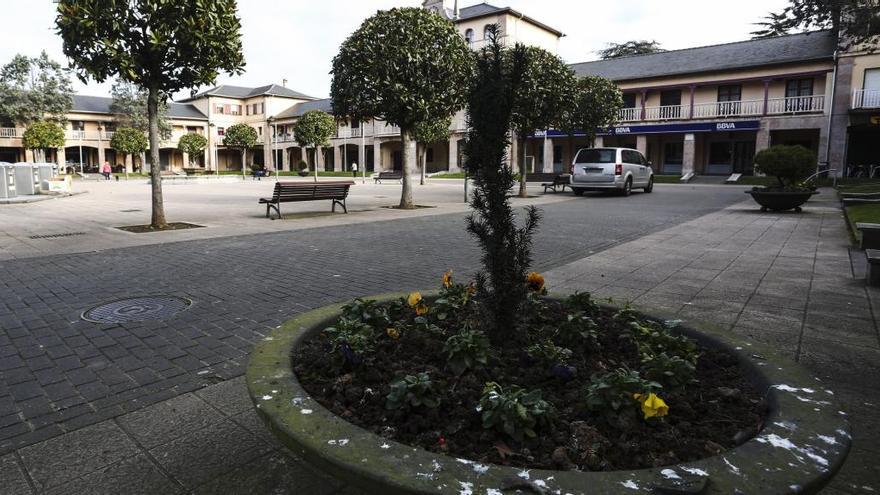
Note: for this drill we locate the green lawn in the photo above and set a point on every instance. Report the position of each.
(449, 175)
(859, 186)
(861, 214)
(667, 179)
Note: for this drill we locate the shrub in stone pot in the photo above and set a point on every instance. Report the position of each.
(790, 165)
(303, 168)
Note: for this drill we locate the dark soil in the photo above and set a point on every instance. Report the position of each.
(721, 410)
(143, 229)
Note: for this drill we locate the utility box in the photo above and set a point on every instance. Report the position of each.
(27, 179)
(7, 181)
(46, 171)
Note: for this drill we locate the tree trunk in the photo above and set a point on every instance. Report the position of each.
(158, 220)
(406, 200)
(521, 142)
(423, 160)
(243, 162)
(315, 160)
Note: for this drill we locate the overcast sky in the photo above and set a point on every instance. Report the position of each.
(296, 39)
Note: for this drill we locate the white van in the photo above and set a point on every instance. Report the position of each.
(619, 169)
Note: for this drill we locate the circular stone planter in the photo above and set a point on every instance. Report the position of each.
(781, 200)
(802, 445)
(303, 173)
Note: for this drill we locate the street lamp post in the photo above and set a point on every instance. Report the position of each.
(272, 144)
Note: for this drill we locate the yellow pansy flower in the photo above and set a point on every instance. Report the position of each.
(535, 282)
(447, 279)
(652, 405)
(414, 299)
(421, 310)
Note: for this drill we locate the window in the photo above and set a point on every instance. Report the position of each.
(469, 36)
(671, 103)
(260, 130)
(77, 125)
(729, 100)
(219, 108)
(798, 93)
(632, 157)
(486, 31)
(557, 154)
(596, 155)
(221, 131)
(720, 153)
(236, 109)
(673, 154)
(629, 100)
(247, 109)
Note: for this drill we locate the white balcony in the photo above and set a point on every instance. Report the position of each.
(746, 108)
(383, 129)
(630, 114)
(866, 98)
(796, 104)
(10, 132)
(666, 112)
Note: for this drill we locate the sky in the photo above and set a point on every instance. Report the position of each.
(297, 39)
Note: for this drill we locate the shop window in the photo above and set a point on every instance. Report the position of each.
(719, 153)
(557, 154)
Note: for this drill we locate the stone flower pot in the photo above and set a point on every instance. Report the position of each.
(781, 200)
(802, 446)
(303, 173)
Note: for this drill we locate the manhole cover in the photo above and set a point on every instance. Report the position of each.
(137, 309)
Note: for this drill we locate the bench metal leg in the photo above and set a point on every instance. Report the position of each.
(276, 207)
(340, 203)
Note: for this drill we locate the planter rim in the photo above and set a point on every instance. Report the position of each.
(803, 444)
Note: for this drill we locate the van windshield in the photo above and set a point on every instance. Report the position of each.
(596, 156)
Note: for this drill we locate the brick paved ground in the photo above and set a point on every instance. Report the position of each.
(60, 373)
(782, 278)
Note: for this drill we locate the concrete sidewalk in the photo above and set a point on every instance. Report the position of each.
(782, 279)
(778, 278)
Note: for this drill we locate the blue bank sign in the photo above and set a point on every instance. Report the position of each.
(687, 128)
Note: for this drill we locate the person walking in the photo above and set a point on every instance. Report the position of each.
(354, 169)
(105, 170)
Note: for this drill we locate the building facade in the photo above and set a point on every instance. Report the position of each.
(704, 110)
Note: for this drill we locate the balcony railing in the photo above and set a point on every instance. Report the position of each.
(866, 98)
(10, 132)
(796, 104)
(725, 109)
(386, 130)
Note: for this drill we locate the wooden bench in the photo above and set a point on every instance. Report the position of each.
(290, 192)
(870, 235)
(393, 175)
(873, 277)
(550, 180)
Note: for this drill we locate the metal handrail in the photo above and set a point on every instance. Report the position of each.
(827, 170)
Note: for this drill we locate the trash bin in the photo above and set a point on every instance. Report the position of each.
(27, 179)
(7, 181)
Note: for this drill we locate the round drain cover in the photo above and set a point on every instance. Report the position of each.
(137, 309)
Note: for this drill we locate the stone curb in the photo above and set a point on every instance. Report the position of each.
(803, 444)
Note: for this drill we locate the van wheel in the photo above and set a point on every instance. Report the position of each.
(650, 186)
(577, 192)
(627, 187)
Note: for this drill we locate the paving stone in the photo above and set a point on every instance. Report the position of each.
(132, 476)
(169, 420)
(13, 478)
(207, 453)
(275, 473)
(67, 457)
(230, 397)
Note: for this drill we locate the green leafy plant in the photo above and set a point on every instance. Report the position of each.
(161, 46)
(540, 96)
(403, 66)
(33, 89)
(194, 145)
(351, 339)
(302, 165)
(129, 141)
(789, 164)
(313, 129)
(425, 133)
(465, 350)
(412, 391)
(241, 137)
(673, 372)
(368, 312)
(653, 338)
(614, 390)
(582, 302)
(43, 135)
(515, 412)
(549, 353)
